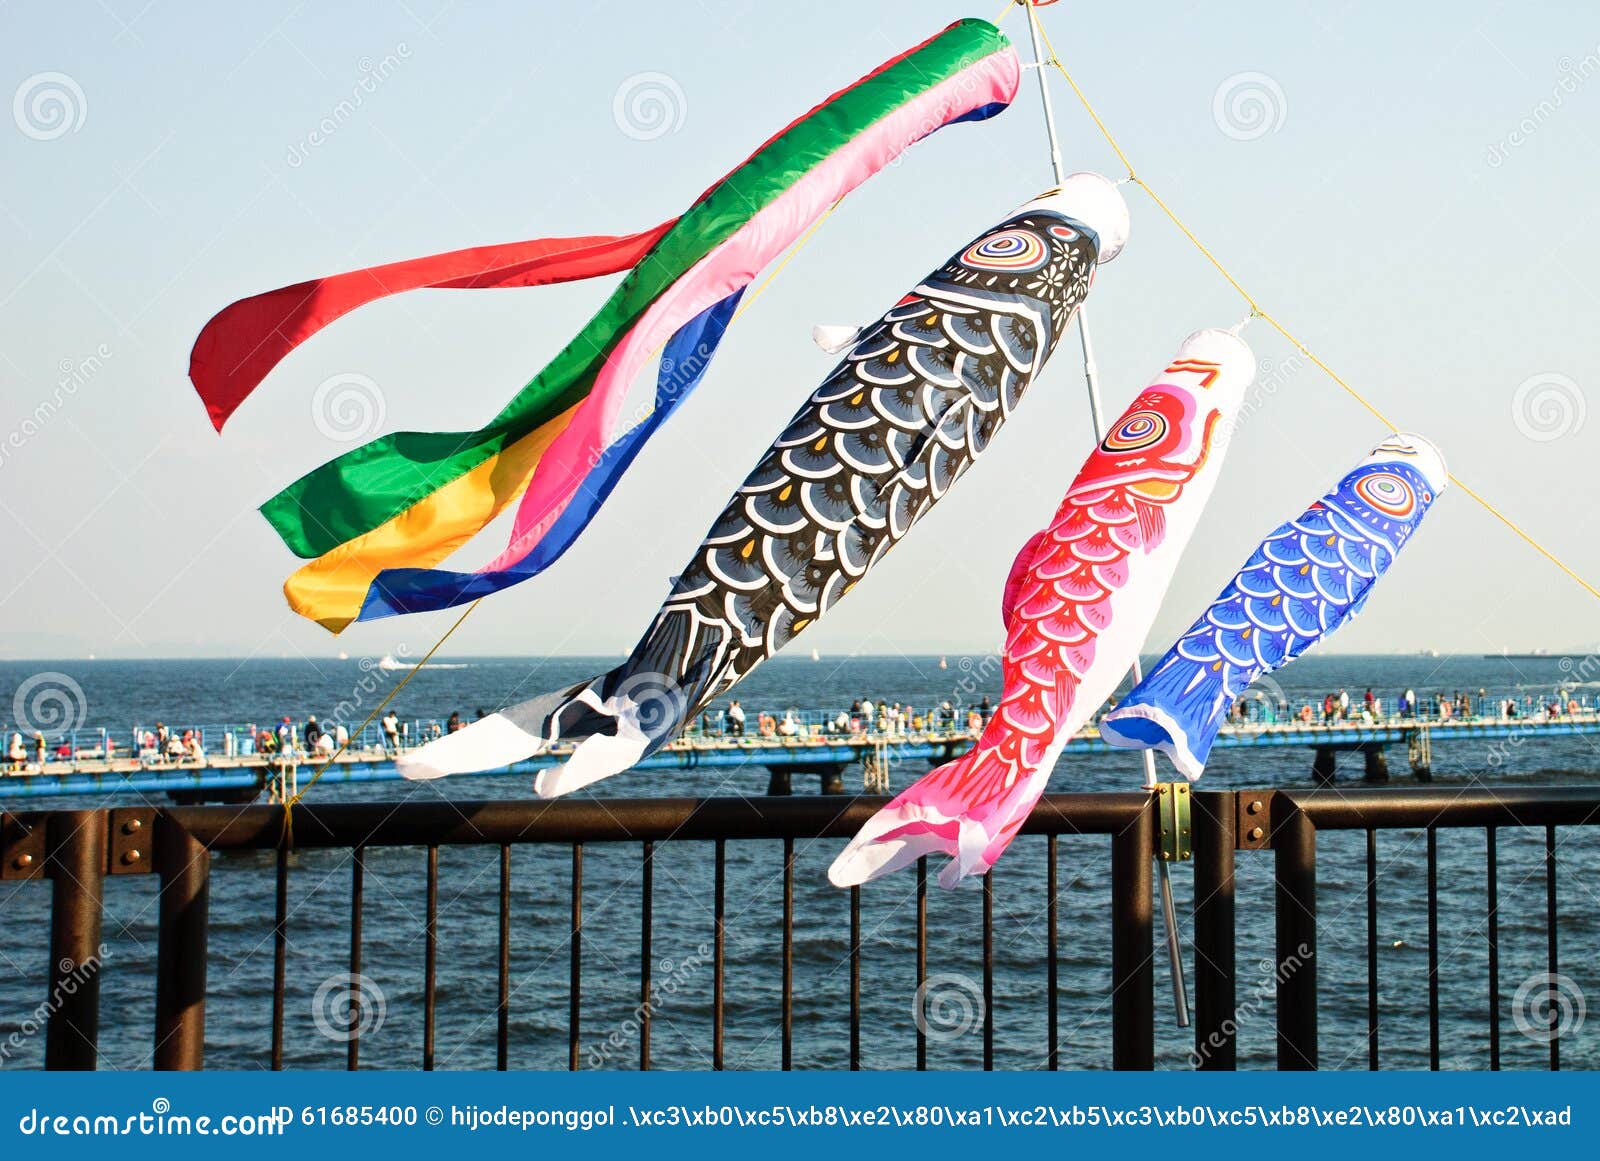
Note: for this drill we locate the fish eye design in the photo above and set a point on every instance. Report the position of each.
(1135, 432)
(1010, 251)
(1388, 493)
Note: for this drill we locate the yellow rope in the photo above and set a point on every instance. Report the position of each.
(290, 804)
(1257, 312)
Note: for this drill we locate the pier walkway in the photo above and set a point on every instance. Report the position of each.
(814, 750)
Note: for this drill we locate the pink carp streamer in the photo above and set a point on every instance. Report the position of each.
(1078, 604)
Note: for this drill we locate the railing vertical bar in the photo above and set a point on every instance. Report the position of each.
(1052, 1058)
(1294, 843)
(719, 946)
(280, 953)
(358, 874)
(855, 979)
(502, 1007)
(1215, 827)
(1433, 948)
(1132, 918)
(76, 862)
(1372, 949)
(430, 970)
(988, 971)
(788, 953)
(1552, 950)
(575, 973)
(647, 897)
(922, 963)
(1493, 874)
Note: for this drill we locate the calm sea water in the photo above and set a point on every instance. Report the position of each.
(118, 695)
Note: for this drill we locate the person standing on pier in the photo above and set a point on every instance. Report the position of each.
(735, 719)
(391, 732)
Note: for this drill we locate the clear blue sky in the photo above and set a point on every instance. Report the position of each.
(1421, 209)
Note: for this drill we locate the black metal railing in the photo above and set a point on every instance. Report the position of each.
(76, 850)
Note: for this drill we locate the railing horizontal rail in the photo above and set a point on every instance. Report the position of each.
(1446, 807)
(599, 820)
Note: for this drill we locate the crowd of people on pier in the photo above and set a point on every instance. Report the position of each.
(312, 741)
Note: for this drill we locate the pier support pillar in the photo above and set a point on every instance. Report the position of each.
(832, 780)
(76, 863)
(1419, 748)
(1323, 765)
(1377, 763)
(779, 784)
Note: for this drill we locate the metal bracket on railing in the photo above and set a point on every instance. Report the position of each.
(132, 835)
(1173, 803)
(1253, 823)
(21, 849)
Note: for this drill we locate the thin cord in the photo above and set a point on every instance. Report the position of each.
(290, 804)
(1257, 312)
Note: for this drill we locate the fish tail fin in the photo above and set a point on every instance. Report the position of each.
(969, 809)
(611, 723)
(1177, 709)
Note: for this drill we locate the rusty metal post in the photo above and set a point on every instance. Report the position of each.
(1216, 1032)
(76, 863)
(184, 865)
(1294, 843)
(1132, 972)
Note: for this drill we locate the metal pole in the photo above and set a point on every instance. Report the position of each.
(1044, 92)
(1091, 376)
(76, 863)
(185, 869)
